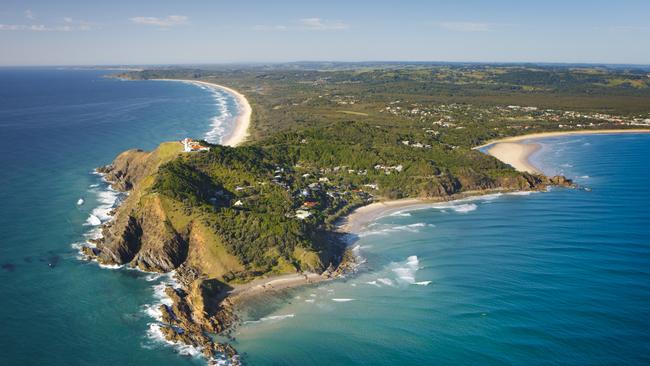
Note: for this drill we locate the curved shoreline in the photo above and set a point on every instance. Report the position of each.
(358, 219)
(516, 152)
(239, 133)
(540, 135)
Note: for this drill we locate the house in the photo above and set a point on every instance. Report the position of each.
(190, 145)
(239, 203)
(309, 204)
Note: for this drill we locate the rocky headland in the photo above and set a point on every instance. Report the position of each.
(153, 232)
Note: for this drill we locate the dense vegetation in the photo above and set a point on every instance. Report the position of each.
(325, 141)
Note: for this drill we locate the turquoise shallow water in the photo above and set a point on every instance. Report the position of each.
(557, 278)
(56, 126)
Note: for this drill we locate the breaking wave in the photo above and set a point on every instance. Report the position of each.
(406, 271)
(224, 112)
(464, 208)
(387, 229)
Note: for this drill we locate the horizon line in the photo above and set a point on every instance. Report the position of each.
(251, 63)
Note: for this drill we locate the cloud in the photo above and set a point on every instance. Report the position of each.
(466, 26)
(24, 27)
(29, 15)
(305, 24)
(319, 24)
(69, 26)
(169, 21)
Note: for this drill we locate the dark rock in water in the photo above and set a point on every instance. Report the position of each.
(9, 267)
(562, 181)
(89, 252)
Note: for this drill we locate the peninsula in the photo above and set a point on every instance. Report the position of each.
(265, 213)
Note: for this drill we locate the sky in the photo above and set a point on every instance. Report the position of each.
(119, 32)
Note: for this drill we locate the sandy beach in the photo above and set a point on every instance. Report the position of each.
(562, 133)
(516, 151)
(356, 221)
(516, 154)
(267, 285)
(512, 150)
(239, 133)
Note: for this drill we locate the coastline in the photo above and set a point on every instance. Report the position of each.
(239, 133)
(263, 286)
(510, 150)
(517, 155)
(358, 219)
(540, 135)
(190, 341)
(516, 151)
(354, 222)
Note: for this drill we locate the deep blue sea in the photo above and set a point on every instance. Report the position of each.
(56, 126)
(553, 278)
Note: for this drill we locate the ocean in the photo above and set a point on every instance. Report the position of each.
(554, 278)
(56, 126)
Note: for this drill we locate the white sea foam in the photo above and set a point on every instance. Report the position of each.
(422, 283)
(271, 318)
(108, 199)
(386, 281)
(277, 317)
(80, 201)
(310, 300)
(584, 177)
(342, 300)
(93, 220)
(490, 197)
(520, 193)
(110, 266)
(400, 214)
(223, 116)
(464, 208)
(405, 271)
(153, 277)
(155, 333)
(388, 229)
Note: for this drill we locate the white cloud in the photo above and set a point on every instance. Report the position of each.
(29, 15)
(305, 24)
(169, 21)
(69, 26)
(466, 26)
(320, 24)
(23, 27)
